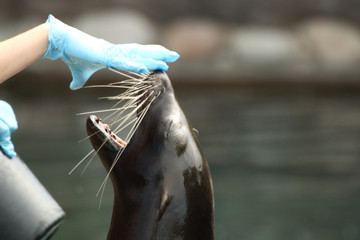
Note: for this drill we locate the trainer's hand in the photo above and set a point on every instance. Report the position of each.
(8, 124)
(85, 54)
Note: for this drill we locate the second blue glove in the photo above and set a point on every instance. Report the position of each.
(8, 125)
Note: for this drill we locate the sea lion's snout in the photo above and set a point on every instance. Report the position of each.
(102, 132)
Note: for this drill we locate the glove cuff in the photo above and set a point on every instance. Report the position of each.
(8, 148)
(57, 37)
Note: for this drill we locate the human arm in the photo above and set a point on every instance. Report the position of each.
(84, 54)
(19, 52)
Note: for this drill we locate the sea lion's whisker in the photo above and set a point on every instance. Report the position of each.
(87, 165)
(131, 133)
(129, 81)
(124, 74)
(126, 105)
(103, 184)
(134, 111)
(122, 82)
(115, 111)
(137, 82)
(127, 139)
(118, 117)
(121, 119)
(97, 150)
(107, 86)
(102, 195)
(81, 161)
(102, 111)
(116, 130)
(134, 90)
(88, 137)
(120, 73)
(136, 125)
(132, 80)
(138, 85)
(130, 93)
(117, 97)
(142, 115)
(139, 89)
(119, 102)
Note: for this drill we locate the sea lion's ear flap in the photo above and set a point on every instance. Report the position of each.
(164, 202)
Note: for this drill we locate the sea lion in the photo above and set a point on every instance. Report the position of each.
(161, 180)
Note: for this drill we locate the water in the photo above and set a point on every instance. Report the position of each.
(284, 161)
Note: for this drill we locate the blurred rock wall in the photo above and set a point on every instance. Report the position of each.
(282, 12)
(231, 40)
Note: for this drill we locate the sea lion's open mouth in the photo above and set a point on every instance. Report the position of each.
(105, 130)
(130, 110)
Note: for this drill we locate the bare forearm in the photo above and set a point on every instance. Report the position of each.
(22, 50)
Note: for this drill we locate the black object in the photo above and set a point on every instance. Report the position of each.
(27, 210)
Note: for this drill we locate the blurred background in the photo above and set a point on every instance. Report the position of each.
(272, 86)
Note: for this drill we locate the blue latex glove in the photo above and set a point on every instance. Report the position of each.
(85, 54)
(8, 124)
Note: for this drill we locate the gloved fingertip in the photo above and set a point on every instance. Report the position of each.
(81, 73)
(75, 86)
(143, 71)
(162, 66)
(158, 65)
(138, 68)
(173, 56)
(8, 149)
(11, 154)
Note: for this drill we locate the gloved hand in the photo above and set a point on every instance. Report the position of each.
(85, 54)
(8, 124)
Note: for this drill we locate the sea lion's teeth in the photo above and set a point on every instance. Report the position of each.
(118, 140)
